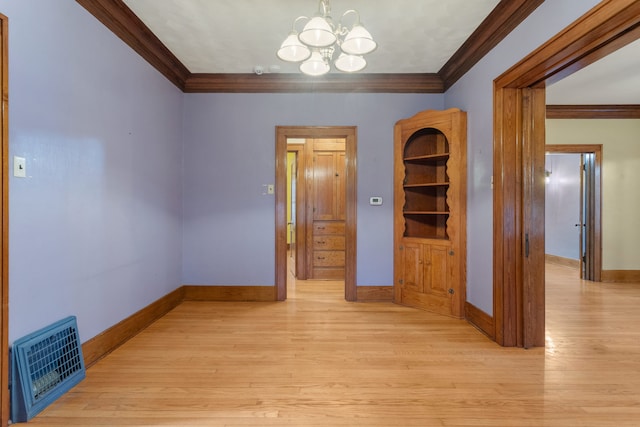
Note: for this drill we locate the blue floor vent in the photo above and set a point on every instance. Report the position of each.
(45, 365)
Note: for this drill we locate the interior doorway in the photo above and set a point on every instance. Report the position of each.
(335, 155)
(316, 208)
(519, 147)
(589, 219)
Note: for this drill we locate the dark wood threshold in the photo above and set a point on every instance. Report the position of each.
(480, 320)
(374, 293)
(121, 20)
(622, 111)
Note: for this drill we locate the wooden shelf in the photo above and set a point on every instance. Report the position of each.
(425, 213)
(427, 184)
(427, 158)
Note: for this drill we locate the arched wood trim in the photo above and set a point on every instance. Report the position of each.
(350, 134)
(518, 142)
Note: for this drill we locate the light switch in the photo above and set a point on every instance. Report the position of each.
(270, 189)
(19, 167)
(375, 201)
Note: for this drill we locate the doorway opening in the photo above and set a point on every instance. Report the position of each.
(573, 173)
(519, 151)
(316, 206)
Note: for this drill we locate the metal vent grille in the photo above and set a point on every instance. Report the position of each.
(46, 364)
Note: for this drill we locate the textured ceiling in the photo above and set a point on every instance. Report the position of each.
(234, 36)
(614, 79)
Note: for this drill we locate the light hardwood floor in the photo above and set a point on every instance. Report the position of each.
(316, 360)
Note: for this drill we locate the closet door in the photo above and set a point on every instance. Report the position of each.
(328, 209)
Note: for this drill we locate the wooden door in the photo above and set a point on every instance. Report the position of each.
(328, 186)
(292, 223)
(427, 277)
(412, 260)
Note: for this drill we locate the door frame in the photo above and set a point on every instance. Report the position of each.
(595, 222)
(349, 133)
(4, 227)
(299, 247)
(518, 157)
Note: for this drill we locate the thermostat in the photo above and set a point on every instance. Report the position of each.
(375, 201)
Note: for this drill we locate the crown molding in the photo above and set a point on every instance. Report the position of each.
(329, 83)
(116, 16)
(622, 111)
(121, 20)
(503, 19)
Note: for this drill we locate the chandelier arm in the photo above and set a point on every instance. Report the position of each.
(351, 11)
(324, 8)
(293, 27)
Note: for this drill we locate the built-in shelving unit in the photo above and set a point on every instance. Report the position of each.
(430, 218)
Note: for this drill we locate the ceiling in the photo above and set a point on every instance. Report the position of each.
(423, 45)
(614, 79)
(234, 36)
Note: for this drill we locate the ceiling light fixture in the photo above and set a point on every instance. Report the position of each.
(316, 44)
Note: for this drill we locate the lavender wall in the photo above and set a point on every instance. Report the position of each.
(229, 225)
(95, 227)
(562, 206)
(474, 93)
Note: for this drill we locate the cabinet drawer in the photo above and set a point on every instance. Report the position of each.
(330, 243)
(328, 258)
(328, 227)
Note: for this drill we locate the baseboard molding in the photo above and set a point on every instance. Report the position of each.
(621, 276)
(374, 293)
(229, 293)
(558, 260)
(104, 343)
(480, 319)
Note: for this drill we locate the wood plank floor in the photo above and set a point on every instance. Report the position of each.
(316, 360)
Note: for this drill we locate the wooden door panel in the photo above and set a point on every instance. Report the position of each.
(324, 186)
(413, 268)
(341, 182)
(437, 280)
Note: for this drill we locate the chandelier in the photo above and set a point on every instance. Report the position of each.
(315, 45)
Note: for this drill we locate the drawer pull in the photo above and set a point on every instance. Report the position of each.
(321, 242)
(320, 228)
(320, 257)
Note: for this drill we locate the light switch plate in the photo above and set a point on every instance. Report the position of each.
(19, 167)
(375, 201)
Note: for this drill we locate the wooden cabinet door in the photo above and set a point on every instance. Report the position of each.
(427, 277)
(329, 185)
(412, 261)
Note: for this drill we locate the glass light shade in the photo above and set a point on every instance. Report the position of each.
(292, 50)
(315, 65)
(358, 41)
(350, 63)
(317, 33)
